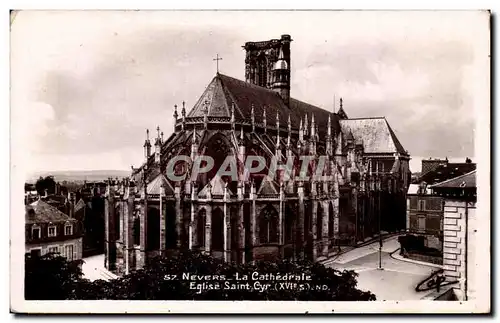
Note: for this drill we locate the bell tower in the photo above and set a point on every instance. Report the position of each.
(261, 61)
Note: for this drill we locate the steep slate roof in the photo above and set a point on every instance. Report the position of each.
(215, 186)
(45, 213)
(375, 133)
(463, 181)
(155, 186)
(446, 172)
(223, 91)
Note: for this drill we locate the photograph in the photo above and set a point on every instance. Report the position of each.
(314, 161)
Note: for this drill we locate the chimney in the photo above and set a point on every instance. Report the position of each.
(71, 205)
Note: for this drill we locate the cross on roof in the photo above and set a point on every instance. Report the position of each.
(217, 59)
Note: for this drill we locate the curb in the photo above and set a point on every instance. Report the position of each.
(400, 258)
(363, 244)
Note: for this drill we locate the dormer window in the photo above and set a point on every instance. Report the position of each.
(68, 229)
(35, 231)
(52, 230)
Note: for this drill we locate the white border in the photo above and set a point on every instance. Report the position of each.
(483, 155)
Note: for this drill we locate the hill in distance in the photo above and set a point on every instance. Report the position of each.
(80, 175)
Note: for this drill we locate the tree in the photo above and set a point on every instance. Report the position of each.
(164, 278)
(51, 277)
(45, 183)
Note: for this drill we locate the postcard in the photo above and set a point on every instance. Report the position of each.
(250, 161)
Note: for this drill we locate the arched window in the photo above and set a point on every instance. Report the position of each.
(319, 222)
(137, 230)
(217, 229)
(217, 148)
(200, 228)
(268, 225)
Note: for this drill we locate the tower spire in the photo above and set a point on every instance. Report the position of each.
(183, 114)
(329, 126)
(175, 112)
(301, 130)
(264, 119)
(232, 117)
(253, 119)
(313, 127)
(306, 125)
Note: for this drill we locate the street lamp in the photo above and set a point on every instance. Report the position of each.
(378, 180)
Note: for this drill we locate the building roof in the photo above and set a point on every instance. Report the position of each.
(45, 213)
(154, 188)
(446, 171)
(216, 186)
(224, 90)
(375, 134)
(463, 181)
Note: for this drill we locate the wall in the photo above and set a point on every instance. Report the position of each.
(456, 234)
(44, 246)
(432, 213)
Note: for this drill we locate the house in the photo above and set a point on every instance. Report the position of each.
(425, 206)
(459, 196)
(48, 230)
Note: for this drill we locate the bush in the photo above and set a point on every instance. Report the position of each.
(416, 244)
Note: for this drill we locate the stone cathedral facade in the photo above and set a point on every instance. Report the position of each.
(361, 191)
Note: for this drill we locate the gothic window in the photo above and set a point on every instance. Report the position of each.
(319, 222)
(289, 224)
(330, 220)
(200, 226)
(171, 228)
(217, 230)
(268, 225)
(262, 65)
(117, 223)
(153, 232)
(137, 230)
(235, 233)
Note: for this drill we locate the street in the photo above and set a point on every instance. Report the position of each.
(397, 280)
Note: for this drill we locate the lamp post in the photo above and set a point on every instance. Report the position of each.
(378, 190)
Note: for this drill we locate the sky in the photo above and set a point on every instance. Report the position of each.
(86, 84)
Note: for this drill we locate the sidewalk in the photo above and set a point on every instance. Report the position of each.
(389, 244)
(395, 254)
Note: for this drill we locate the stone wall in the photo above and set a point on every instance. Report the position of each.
(455, 248)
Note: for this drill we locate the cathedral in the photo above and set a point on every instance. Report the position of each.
(359, 191)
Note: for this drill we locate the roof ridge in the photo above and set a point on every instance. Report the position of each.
(364, 118)
(451, 179)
